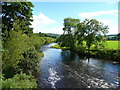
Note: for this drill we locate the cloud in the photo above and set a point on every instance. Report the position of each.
(105, 21)
(40, 22)
(93, 14)
(113, 29)
(112, 24)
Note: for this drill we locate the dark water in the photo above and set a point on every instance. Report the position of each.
(64, 69)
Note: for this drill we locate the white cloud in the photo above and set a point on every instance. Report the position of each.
(93, 14)
(40, 22)
(105, 21)
(113, 29)
(112, 24)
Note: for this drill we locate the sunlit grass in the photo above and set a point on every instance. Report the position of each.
(113, 44)
(59, 47)
(109, 45)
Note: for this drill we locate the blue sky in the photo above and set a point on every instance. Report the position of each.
(48, 16)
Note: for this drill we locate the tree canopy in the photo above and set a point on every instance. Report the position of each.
(83, 33)
(15, 13)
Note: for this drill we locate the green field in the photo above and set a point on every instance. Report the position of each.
(109, 45)
(113, 44)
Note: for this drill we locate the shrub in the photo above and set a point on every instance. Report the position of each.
(19, 81)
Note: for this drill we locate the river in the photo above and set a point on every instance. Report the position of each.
(65, 69)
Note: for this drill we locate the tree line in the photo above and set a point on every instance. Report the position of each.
(20, 46)
(49, 35)
(113, 37)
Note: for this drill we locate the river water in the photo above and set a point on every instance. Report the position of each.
(65, 69)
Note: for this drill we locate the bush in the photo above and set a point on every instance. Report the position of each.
(21, 53)
(19, 81)
(109, 54)
(60, 47)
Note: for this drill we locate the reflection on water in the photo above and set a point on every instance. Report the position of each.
(65, 69)
(53, 77)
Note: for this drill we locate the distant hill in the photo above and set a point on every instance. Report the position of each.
(47, 35)
(112, 35)
(53, 34)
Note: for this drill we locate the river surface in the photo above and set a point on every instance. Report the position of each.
(65, 69)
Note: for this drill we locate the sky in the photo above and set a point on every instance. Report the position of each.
(48, 16)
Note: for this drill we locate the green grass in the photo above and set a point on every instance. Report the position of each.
(113, 45)
(109, 45)
(58, 47)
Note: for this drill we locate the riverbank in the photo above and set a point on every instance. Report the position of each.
(108, 54)
(20, 60)
(59, 47)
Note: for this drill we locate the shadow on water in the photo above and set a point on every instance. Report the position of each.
(65, 69)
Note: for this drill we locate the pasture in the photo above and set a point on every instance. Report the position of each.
(112, 44)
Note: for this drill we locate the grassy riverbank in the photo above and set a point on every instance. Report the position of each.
(110, 51)
(59, 47)
(109, 45)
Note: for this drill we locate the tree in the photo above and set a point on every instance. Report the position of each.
(70, 26)
(95, 32)
(16, 11)
(80, 33)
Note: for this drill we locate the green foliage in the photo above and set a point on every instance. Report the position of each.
(68, 38)
(13, 48)
(109, 54)
(83, 34)
(48, 35)
(19, 81)
(88, 38)
(12, 14)
(112, 44)
(70, 25)
(95, 32)
(59, 47)
(117, 55)
(21, 52)
(38, 41)
(30, 63)
(0, 81)
(21, 48)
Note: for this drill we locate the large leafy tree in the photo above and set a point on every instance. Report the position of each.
(94, 32)
(16, 21)
(15, 13)
(70, 26)
(80, 34)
